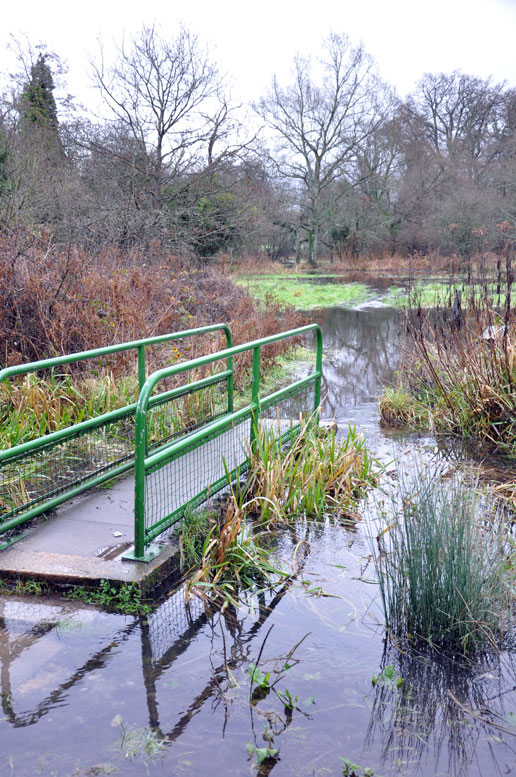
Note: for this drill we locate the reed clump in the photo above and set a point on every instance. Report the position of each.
(314, 474)
(230, 558)
(441, 562)
(458, 369)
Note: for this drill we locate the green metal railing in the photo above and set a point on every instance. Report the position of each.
(37, 461)
(173, 478)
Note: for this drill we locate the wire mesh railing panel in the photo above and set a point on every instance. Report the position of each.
(34, 477)
(196, 473)
(168, 419)
(288, 409)
(173, 620)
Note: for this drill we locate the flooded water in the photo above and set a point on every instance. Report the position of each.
(89, 693)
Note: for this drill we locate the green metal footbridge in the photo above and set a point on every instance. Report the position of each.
(187, 434)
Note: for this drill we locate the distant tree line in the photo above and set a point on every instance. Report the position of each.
(331, 163)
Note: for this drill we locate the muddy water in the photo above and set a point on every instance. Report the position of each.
(90, 693)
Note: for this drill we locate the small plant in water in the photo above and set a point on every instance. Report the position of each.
(261, 753)
(349, 769)
(137, 741)
(387, 677)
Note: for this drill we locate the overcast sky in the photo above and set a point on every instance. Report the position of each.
(251, 41)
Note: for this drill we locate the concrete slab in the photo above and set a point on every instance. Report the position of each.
(83, 542)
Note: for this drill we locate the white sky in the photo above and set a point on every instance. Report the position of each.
(252, 40)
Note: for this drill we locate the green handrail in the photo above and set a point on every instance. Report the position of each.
(56, 361)
(141, 437)
(63, 434)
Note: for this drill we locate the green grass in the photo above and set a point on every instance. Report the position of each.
(429, 293)
(441, 562)
(33, 406)
(126, 598)
(306, 296)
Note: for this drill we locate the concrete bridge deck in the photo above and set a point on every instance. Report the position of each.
(83, 542)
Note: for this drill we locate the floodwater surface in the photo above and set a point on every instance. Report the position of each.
(89, 693)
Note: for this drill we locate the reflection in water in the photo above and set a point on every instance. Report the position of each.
(423, 722)
(70, 674)
(361, 352)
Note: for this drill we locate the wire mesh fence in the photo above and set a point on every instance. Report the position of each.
(32, 478)
(196, 473)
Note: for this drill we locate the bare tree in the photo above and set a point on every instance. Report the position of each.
(318, 127)
(461, 114)
(155, 90)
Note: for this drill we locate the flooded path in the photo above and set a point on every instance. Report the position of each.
(90, 693)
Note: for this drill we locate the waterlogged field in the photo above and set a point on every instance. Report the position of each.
(298, 681)
(311, 292)
(304, 292)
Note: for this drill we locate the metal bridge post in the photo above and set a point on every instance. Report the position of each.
(140, 446)
(255, 396)
(318, 379)
(142, 377)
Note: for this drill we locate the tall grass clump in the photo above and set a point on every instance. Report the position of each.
(229, 559)
(314, 474)
(458, 370)
(441, 565)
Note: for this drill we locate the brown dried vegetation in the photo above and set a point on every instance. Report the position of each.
(57, 302)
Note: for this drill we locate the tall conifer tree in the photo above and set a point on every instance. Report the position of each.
(38, 103)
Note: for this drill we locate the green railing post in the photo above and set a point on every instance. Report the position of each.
(255, 396)
(142, 377)
(230, 384)
(141, 449)
(229, 342)
(318, 379)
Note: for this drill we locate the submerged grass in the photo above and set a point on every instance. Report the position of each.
(304, 295)
(231, 558)
(441, 561)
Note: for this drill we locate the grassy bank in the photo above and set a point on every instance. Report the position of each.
(299, 292)
(458, 368)
(462, 385)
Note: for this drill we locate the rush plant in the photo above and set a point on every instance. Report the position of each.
(440, 557)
